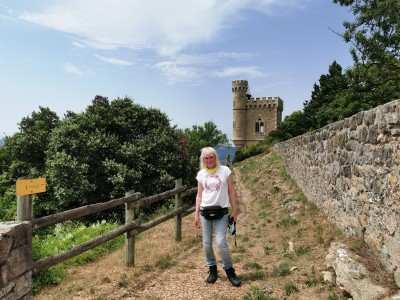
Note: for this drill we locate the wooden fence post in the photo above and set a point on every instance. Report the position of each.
(178, 218)
(129, 238)
(24, 205)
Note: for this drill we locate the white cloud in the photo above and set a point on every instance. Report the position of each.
(114, 61)
(78, 44)
(234, 71)
(70, 68)
(192, 67)
(174, 72)
(165, 26)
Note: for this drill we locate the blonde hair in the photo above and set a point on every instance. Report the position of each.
(205, 151)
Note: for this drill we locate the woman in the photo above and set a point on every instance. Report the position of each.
(215, 188)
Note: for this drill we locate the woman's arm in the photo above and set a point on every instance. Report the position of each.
(232, 198)
(198, 202)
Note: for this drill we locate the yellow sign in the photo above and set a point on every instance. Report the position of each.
(30, 186)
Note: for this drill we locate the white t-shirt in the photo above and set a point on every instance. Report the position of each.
(215, 187)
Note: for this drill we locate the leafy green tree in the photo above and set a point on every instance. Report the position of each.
(375, 38)
(207, 135)
(111, 148)
(24, 154)
(293, 125)
(323, 107)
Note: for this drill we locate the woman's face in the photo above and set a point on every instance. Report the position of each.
(209, 161)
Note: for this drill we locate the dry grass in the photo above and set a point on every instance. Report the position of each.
(282, 241)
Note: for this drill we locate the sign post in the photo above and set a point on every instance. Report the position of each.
(25, 188)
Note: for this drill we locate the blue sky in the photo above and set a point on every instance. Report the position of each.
(178, 55)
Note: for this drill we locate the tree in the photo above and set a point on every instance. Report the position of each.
(24, 154)
(111, 148)
(375, 39)
(207, 135)
(323, 107)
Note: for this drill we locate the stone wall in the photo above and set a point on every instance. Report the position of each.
(351, 170)
(15, 261)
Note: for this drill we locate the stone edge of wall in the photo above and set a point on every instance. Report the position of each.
(15, 261)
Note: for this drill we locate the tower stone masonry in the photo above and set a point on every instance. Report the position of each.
(253, 118)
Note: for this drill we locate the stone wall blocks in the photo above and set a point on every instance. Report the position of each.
(346, 171)
(390, 222)
(6, 289)
(21, 232)
(372, 135)
(363, 134)
(23, 285)
(6, 243)
(21, 260)
(353, 123)
(352, 135)
(395, 132)
(359, 118)
(369, 117)
(4, 275)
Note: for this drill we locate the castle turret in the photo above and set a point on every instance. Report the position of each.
(240, 92)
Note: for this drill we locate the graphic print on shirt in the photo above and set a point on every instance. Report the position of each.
(212, 183)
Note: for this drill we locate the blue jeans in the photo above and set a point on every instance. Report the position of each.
(220, 237)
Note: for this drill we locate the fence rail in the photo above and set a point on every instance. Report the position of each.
(131, 227)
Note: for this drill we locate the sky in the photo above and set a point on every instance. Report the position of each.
(179, 56)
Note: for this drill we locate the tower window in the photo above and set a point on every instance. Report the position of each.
(259, 125)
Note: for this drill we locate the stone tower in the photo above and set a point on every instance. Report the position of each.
(253, 118)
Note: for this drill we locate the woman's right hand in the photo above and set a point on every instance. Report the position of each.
(197, 221)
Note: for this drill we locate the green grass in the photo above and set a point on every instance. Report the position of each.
(256, 293)
(252, 265)
(63, 238)
(268, 249)
(291, 288)
(281, 270)
(286, 222)
(301, 251)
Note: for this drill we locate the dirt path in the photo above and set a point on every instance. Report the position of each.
(183, 278)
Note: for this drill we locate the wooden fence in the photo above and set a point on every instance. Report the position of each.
(131, 228)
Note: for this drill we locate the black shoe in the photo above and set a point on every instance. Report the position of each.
(232, 276)
(213, 274)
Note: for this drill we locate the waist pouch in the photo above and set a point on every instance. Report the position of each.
(213, 212)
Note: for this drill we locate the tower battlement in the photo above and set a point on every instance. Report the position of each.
(240, 86)
(265, 102)
(253, 118)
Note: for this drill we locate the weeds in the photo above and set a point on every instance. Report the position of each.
(123, 281)
(281, 270)
(286, 222)
(256, 293)
(252, 265)
(301, 251)
(291, 288)
(164, 262)
(268, 249)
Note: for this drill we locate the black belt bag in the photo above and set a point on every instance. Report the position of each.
(213, 212)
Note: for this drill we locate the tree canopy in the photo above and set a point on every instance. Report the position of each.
(100, 154)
